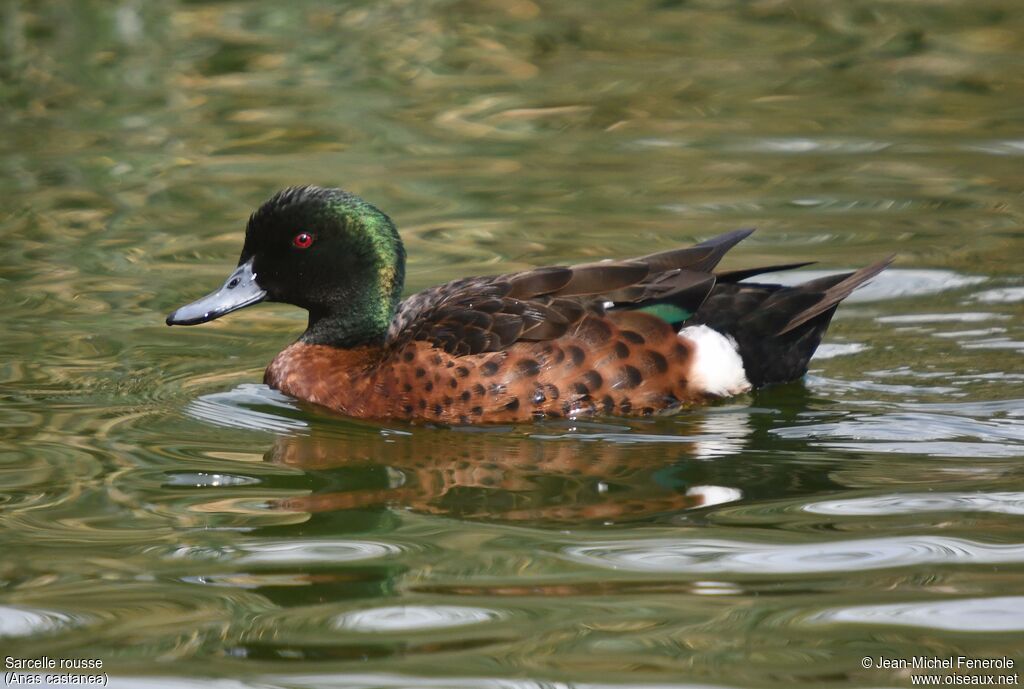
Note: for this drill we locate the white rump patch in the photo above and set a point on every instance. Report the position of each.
(714, 495)
(717, 366)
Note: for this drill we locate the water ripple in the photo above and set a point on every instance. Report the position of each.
(16, 622)
(965, 317)
(909, 426)
(202, 479)
(892, 284)
(995, 343)
(1000, 614)
(878, 505)
(203, 536)
(935, 449)
(269, 552)
(1004, 295)
(724, 556)
(295, 551)
(413, 618)
(249, 406)
(1003, 147)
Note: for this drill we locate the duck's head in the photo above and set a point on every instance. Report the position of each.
(324, 250)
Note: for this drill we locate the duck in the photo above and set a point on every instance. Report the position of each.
(635, 337)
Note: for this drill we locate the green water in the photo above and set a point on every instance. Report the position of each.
(163, 512)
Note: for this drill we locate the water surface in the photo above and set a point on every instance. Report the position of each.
(164, 512)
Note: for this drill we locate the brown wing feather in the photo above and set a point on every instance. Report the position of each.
(701, 257)
(487, 314)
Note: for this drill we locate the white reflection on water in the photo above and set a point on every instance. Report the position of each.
(891, 283)
(1003, 147)
(909, 426)
(715, 495)
(1004, 295)
(965, 317)
(413, 617)
(995, 343)
(830, 351)
(315, 551)
(719, 556)
(723, 432)
(836, 386)
(932, 449)
(932, 434)
(250, 406)
(977, 332)
(202, 479)
(26, 622)
(1000, 503)
(1002, 614)
(805, 145)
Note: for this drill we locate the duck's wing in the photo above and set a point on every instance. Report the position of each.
(487, 314)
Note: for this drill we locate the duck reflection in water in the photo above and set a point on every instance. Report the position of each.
(590, 473)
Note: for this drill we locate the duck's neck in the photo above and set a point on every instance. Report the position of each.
(346, 330)
(360, 314)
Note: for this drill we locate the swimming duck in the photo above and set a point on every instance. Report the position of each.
(632, 337)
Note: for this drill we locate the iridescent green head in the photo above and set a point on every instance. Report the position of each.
(324, 250)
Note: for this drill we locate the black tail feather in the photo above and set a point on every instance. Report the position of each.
(835, 292)
(778, 328)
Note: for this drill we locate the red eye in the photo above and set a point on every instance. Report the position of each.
(302, 240)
